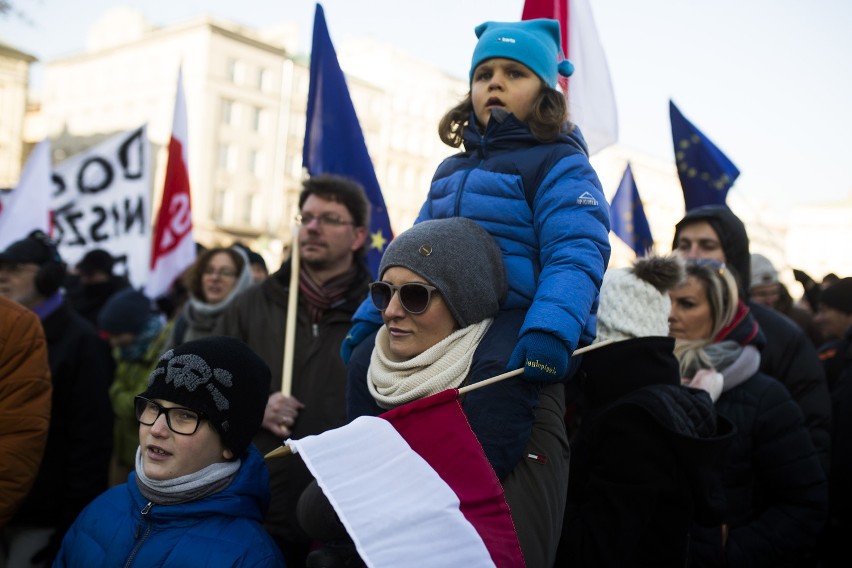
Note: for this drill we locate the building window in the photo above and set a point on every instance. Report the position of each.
(256, 162)
(228, 113)
(236, 71)
(228, 157)
(258, 119)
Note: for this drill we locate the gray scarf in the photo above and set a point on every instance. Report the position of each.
(736, 363)
(212, 479)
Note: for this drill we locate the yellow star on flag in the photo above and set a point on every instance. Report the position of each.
(378, 241)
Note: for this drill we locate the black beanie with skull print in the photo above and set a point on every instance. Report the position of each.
(220, 377)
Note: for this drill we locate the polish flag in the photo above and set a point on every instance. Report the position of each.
(591, 100)
(27, 207)
(413, 487)
(173, 248)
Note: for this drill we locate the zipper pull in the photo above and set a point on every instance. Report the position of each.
(145, 510)
(315, 327)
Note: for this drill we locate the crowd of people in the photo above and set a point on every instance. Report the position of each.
(708, 416)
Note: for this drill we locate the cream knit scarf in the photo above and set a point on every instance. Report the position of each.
(442, 366)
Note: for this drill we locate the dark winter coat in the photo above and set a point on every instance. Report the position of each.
(88, 299)
(837, 358)
(258, 316)
(776, 490)
(789, 355)
(122, 528)
(645, 461)
(75, 467)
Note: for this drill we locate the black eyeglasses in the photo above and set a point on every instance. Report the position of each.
(325, 220)
(179, 420)
(413, 296)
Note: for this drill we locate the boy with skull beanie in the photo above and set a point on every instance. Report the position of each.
(220, 377)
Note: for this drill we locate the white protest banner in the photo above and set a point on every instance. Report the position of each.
(102, 199)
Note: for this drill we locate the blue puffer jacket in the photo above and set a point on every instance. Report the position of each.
(544, 205)
(222, 529)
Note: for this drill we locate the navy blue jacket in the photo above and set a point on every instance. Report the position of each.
(121, 528)
(501, 415)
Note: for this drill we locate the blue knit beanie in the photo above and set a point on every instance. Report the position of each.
(535, 43)
(126, 311)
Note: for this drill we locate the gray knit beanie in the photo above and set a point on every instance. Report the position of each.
(634, 302)
(459, 258)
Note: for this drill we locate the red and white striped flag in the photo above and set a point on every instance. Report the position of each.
(413, 487)
(173, 248)
(591, 100)
(27, 207)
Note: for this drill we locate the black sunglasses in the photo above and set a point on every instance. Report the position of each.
(413, 296)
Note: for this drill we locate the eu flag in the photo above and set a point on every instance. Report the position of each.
(334, 143)
(705, 173)
(628, 216)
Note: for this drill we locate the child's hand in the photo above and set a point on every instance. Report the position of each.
(543, 356)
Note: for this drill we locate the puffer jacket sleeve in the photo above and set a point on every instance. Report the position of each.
(571, 218)
(791, 493)
(25, 401)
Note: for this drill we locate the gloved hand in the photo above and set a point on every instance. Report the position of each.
(543, 356)
(359, 331)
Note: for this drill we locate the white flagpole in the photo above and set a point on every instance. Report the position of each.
(292, 308)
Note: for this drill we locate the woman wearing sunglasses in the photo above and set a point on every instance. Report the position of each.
(439, 291)
(775, 488)
(200, 489)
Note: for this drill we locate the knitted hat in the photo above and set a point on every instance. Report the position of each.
(762, 271)
(126, 311)
(35, 248)
(634, 302)
(220, 377)
(838, 296)
(535, 43)
(459, 258)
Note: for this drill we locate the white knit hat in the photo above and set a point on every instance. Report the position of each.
(762, 271)
(634, 302)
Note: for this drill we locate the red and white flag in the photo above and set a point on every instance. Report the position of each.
(413, 487)
(591, 100)
(173, 248)
(27, 207)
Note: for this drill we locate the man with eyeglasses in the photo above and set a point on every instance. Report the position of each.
(713, 231)
(333, 278)
(76, 458)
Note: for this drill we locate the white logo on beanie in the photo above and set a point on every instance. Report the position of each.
(505, 39)
(191, 371)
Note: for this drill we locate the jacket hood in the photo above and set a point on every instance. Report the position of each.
(732, 236)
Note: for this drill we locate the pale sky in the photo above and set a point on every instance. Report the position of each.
(767, 80)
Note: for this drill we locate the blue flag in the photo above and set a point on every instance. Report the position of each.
(628, 216)
(705, 173)
(334, 143)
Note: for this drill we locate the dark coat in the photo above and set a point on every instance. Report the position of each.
(777, 494)
(645, 460)
(788, 355)
(837, 359)
(258, 316)
(88, 299)
(75, 467)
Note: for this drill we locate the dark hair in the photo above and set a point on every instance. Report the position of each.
(343, 190)
(193, 276)
(548, 118)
